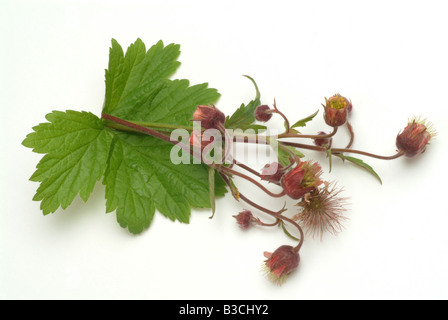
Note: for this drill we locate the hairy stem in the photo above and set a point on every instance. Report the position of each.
(308, 136)
(335, 151)
(117, 123)
(277, 215)
(287, 125)
(223, 169)
(352, 135)
(161, 125)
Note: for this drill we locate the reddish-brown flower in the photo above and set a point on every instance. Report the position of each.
(304, 178)
(281, 262)
(336, 109)
(245, 219)
(261, 113)
(414, 138)
(272, 172)
(209, 116)
(323, 141)
(322, 210)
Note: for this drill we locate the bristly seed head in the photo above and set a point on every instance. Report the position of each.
(322, 210)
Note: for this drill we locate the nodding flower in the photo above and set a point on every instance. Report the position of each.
(414, 138)
(272, 172)
(262, 113)
(245, 219)
(281, 262)
(323, 141)
(304, 178)
(209, 116)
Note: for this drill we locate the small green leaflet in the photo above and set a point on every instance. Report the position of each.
(284, 157)
(302, 122)
(360, 163)
(282, 224)
(243, 118)
(136, 169)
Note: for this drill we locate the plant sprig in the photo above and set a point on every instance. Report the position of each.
(130, 148)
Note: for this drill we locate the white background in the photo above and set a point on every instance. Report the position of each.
(389, 57)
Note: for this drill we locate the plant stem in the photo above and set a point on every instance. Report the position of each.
(287, 125)
(118, 124)
(277, 215)
(247, 168)
(223, 169)
(161, 125)
(335, 151)
(352, 135)
(309, 136)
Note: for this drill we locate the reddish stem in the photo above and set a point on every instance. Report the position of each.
(236, 173)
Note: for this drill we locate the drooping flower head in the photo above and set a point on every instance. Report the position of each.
(272, 172)
(304, 178)
(209, 116)
(336, 110)
(261, 113)
(323, 141)
(281, 262)
(322, 210)
(245, 219)
(414, 138)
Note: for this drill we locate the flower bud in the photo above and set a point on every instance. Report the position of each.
(261, 113)
(209, 116)
(302, 179)
(336, 109)
(281, 262)
(320, 142)
(414, 138)
(244, 219)
(272, 172)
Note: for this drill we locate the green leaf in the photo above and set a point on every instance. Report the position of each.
(141, 173)
(76, 146)
(127, 189)
(141, 177)
(360, 163)
(303, 122)
(137, 69)
(243, 118)
(138, 173)
(166, 101)
(287, 232)
(284, 156)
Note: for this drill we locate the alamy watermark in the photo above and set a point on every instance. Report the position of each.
(214, 146)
